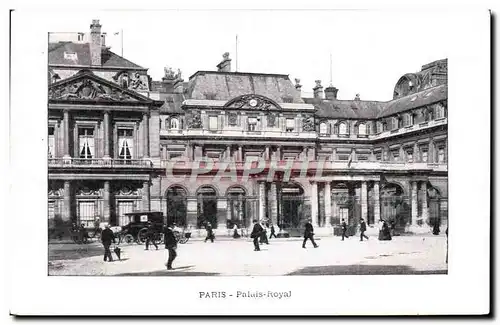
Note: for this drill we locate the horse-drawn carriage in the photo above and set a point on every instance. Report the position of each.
(137, 229)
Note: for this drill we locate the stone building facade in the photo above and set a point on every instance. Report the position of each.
(228, 147)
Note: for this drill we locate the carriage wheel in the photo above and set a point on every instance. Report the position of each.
(128, 238)
(157, 238)
(141, 235)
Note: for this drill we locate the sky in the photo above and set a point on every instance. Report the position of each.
(369, 50)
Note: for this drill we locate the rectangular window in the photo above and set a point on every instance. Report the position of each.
(86, 213)
(441, 155)
(395, 155)
(175, 154)
(378, 155)
(362, 156)
(51, 143)
(124, 207)
(424, 155)
(86, 142)
(252, 124)
(213, 123)
(409, 155)
(125, 144)
(290, 124)
(343, 156)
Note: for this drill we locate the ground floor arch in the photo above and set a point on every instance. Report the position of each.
(291, 206)
(207, 199)
(176, 197)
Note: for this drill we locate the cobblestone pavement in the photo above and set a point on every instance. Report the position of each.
(402, 255)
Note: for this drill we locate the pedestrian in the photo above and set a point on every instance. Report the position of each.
(255, 234)
(344, 230)
(84, 235)
(236, 235)
(272, 232)
(381, 229)
(435, 228)
(210, 232)
(170, 245)
(386, 231)
(309, 234)
(263, 237)
(107, 237)
(150, 236)
(362, 228)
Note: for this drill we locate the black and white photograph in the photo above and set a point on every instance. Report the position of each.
(197, 146)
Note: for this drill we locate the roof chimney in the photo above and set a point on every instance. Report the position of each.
(357, 97)
(95, 42)
(225, 65)
(298, 86)
(318, 90)
(331, 92)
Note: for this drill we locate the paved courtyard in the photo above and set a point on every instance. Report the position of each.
(402, 255)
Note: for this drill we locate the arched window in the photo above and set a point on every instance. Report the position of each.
(342, 128)
(323, 128)
(362, 129)
(174, 123)
(439, 111)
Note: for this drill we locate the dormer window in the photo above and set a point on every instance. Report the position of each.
(252, 124)
(362, 129)
(439, 109)
(323, 128)
(290, 125)
(342, 127)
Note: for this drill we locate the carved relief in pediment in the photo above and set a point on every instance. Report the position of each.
(88, 90)
(252, 101)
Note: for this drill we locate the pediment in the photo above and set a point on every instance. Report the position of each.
(88, 87)
(252, 101)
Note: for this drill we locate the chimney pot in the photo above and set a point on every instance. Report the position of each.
(318, 90)
(225, 64)
(95, 43)
(331, 92)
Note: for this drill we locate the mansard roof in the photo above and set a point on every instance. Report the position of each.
(349, 109)
(172, 103)
(82, 58)
(426, 97)
(217, 85)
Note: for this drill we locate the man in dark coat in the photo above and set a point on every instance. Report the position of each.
(256, 234)
(263, 236)
(273, 233)
(362, 229)
(309, 234)
(210, 232)
(107, 237)
(344, 230)
(170, 245)
(150, 236)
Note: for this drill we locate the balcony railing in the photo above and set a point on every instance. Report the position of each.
(99, 162)
(283, 165)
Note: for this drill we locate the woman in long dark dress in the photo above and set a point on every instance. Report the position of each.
(235, 232)
(386, 232)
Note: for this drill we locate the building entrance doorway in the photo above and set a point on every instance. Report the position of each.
(177, 206)
(291, 206)
(207, 206)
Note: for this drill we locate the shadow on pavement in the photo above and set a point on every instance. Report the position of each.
(360, 269)
(74, 253)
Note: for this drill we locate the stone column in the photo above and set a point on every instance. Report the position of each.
(376, 205)
(364, 201)
(66, 154)
(314, 204)
(106, 203)
(425, 211)
(145, 196)
(328, 204)
(106, 135)
(278, 153)
(431, 154)
(240, 153)
(145, 122)
(66, 215)
(229, 208)
(262, 200)
(228, 152)
(274, 203)
(266, 155)
(414, 203)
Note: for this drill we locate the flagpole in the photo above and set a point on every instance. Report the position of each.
(121, 32)
(236, 52)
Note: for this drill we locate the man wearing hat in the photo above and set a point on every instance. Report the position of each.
(170, 245)
(107, 237)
